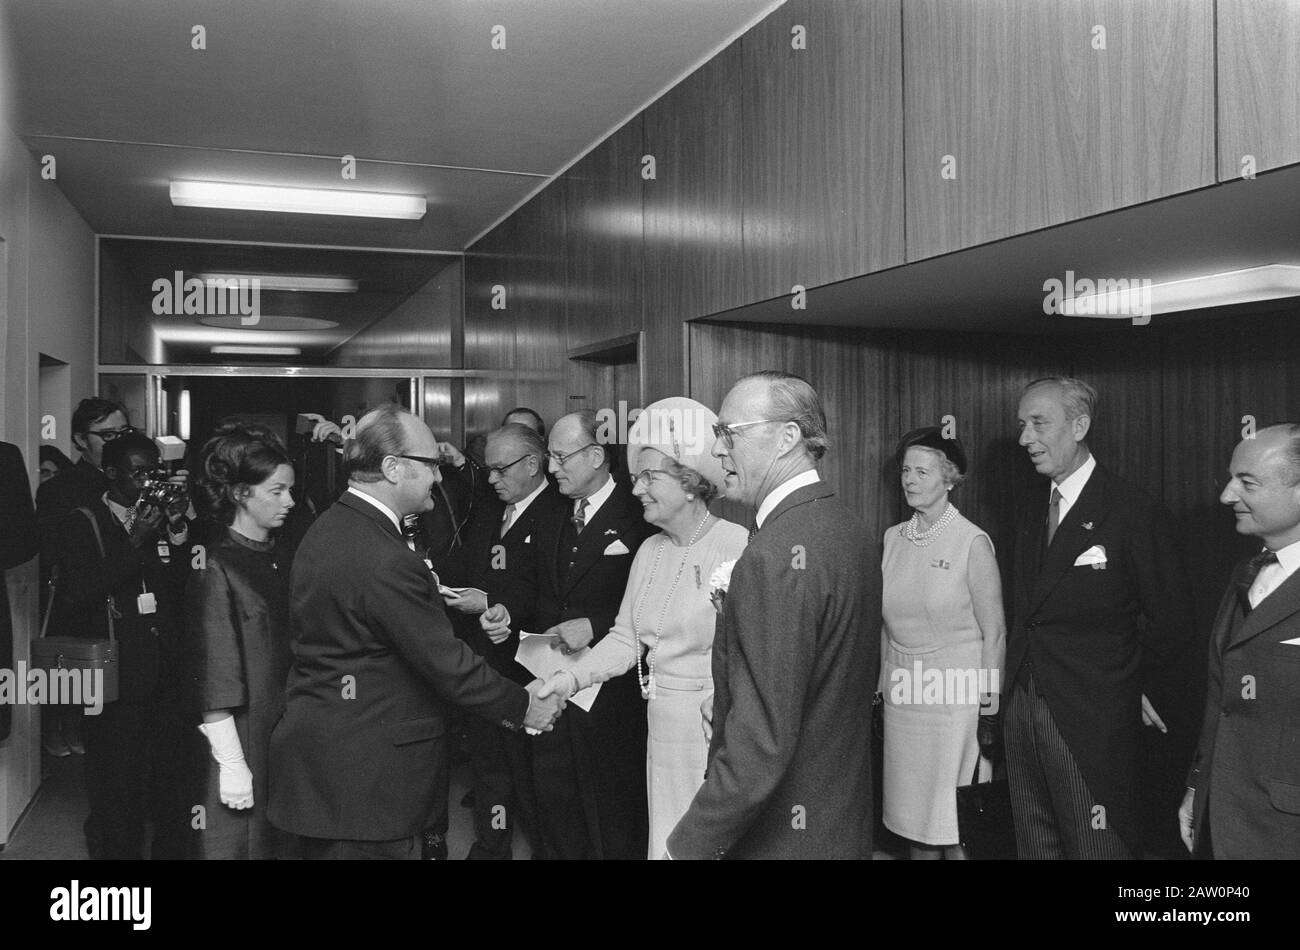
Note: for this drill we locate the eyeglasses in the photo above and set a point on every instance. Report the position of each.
(432, 463)
(500, 470)
(108, 435)
(559, 459)
(727, 433)
(649, 475)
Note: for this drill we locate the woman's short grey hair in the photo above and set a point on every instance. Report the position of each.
(948, 470)
(1078, 398)
(380, 433)
(792, 397)
(692, 482)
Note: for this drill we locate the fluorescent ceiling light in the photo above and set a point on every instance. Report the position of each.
(268, 322)
(256, 351)
(292, 282)
(356, 204)
(1269, 282)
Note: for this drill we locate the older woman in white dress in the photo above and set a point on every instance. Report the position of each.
(666, 621)
(943, 625)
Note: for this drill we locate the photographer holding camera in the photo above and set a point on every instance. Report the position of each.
(125, 556)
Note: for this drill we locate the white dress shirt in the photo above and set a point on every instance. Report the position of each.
(1273, 576)
(779, 493)
(518, 508)
(1072, 487)
(392, 515)
(595, 500)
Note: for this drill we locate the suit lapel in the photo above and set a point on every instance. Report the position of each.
(600, 532)
(1072, 538)
(1272, 610)
(800, 496)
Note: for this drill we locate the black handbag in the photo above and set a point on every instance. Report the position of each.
(984, 824)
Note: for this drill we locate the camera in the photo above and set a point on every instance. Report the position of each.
(158, 491)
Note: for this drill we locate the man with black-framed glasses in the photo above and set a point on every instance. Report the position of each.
(95, 423)
(500, 561)
(359, 759)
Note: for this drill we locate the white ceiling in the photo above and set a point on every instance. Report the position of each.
(411, 88)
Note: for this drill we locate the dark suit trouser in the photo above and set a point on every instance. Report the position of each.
(590, 779)
(1053, 810)
(330, 849)
(135, 773)
(501, 769)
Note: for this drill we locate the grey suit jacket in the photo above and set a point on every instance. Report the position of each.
(795, 662)
(1247, 767)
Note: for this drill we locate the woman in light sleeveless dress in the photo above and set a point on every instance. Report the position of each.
(942, 647)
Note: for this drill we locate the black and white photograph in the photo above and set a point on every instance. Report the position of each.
(650, 430)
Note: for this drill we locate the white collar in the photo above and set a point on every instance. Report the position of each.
(522, 505)
(779, 493)
(596, 499)
(392, 515)
(1072, 487)
(1289, 557)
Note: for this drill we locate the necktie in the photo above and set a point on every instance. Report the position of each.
(1053, 515)
(506, 519)
(753, 532)
(580, 516)
(1253, 567)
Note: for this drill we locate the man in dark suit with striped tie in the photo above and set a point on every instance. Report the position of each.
(1101, 614)
(1243, 791)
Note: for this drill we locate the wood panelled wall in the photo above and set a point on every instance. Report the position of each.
(781, 162)
(1259, 84)
(1023, 114)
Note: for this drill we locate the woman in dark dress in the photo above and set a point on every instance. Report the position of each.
(238, 636)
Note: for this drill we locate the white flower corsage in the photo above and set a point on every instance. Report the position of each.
(718, 584)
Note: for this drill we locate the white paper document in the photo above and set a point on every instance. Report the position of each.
(536, 656)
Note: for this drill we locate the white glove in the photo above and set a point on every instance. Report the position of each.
(234, 779)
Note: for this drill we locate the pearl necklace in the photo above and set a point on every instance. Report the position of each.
(931, 534)
(648, 690)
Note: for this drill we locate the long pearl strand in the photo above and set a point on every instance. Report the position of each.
(648, 690)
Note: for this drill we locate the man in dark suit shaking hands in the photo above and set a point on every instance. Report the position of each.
(1243, 793)
(797, 649)
(1101, 614)
(360, 754)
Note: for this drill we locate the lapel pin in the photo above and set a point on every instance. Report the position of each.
(1087, 526)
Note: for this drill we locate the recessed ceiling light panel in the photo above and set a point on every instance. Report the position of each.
(243, 197)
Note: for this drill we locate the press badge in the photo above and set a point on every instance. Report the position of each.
(146, 603)
(164, 552)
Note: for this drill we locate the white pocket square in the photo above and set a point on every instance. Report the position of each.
(617, 547)
(1094, 557)
(528, 540)
(1295, 642)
